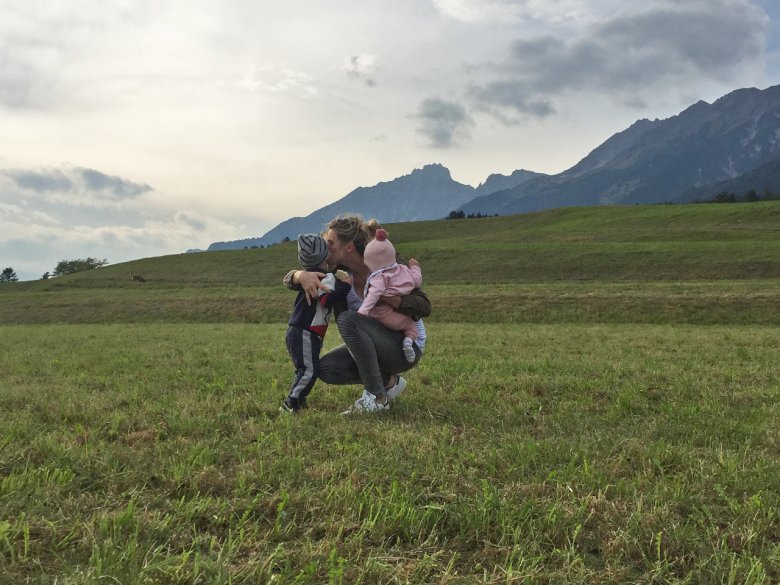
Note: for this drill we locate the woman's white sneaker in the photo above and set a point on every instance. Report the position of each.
(396, 389)
(367, 403)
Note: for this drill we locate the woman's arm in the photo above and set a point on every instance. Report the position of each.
(288, 280)
(416, 304)
(307, 281)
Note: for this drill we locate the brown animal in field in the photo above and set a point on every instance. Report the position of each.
(137, 278)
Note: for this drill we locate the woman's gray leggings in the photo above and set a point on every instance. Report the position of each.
(371, 353)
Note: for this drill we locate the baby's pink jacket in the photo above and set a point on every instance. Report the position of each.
(390, 282)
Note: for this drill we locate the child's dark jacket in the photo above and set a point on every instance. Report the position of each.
(314, 316)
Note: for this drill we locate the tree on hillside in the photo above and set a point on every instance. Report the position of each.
(8, 275)
(725, 197)
(70, 266)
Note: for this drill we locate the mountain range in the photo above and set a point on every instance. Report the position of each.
(731, 144)
(426, 193)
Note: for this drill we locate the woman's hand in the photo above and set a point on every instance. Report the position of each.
(311, 283)
(394, 302)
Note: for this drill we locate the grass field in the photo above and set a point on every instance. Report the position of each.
(599, 417)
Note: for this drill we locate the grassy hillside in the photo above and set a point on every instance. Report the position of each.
(578, 262)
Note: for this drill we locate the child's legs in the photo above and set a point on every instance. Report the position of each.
(304, 348)
(394, 320)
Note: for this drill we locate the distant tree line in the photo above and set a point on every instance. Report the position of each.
(261, 246)
(63, 267)
(749, 196)
(460, 214)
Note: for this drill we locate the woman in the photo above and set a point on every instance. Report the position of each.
(371, 355)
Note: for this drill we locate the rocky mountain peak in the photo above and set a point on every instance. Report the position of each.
(432, 171)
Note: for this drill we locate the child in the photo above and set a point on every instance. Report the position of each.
(309, 321)
(389, 279)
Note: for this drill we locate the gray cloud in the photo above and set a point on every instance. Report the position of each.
(665, 45)
(116, 186)
(190, 221)
(76, 181)
(41, 181)
(443, 123)
(506, 95)
(40, 225)
(49, 199)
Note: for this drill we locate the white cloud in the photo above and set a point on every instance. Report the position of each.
(276, 79)
(14, 215)
(362, 67)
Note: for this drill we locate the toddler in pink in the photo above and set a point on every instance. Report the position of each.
(389, 279)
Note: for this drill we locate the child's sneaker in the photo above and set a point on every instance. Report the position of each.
(291, 404)
(409, 350)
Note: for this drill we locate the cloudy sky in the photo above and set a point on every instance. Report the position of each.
(137, 128)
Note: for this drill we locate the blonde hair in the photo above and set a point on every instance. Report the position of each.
(350, 227)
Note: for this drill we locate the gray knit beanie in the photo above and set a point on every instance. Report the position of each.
(312, 250)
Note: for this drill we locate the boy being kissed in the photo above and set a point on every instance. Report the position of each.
(309, 321)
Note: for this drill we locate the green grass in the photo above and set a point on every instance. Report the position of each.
(739, 302)
(598, 404)
(576, 453)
